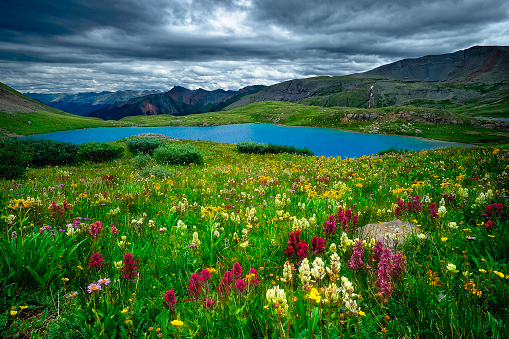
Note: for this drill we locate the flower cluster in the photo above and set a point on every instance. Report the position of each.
(296, 246)
(96, 287)
(347, 219)
(389, 267)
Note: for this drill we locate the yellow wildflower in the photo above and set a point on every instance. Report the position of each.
(314, 295)
(177, 322)
(500, 274)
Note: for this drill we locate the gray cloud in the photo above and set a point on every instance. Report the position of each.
(76, 45)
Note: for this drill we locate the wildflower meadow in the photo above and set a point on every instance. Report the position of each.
(257, 246)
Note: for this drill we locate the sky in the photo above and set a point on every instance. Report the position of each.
(108, 45)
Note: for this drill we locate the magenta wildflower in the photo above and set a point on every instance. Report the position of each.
(208, 303)
(169, 300)
(489, 210)
(330, 225)
(414, 205)
(241, 285)
(254, 281)
(195, 286)
(223, 289)
(302, 250)
(95, 228)
(130, 268)
(96, 261)
(399, 208)
(317, 245)
(433, 211)
(205, 274)
(389, 267)
(237, 270)
(347, 219)
(488, 225)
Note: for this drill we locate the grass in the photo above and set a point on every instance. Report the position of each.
(212, 242)
(47, 122)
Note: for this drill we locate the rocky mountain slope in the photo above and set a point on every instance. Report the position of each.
(84, 103)
(177, 101)
(440, 81)
(11, 102)
(486, 64)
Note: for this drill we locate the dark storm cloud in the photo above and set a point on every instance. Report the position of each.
(120, 44)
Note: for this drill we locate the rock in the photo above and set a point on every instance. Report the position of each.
(390, 233)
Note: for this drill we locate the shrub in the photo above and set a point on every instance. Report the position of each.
(392, 149)
(143, 145)
(157, 171)
(14, 159)
(252, 147)
(263, 148)
(178, 155)
(99, 151)
(50, 152)
(141, 161)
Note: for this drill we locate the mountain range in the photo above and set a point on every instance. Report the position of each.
(84, 103)
(177, 101)
(479, 75)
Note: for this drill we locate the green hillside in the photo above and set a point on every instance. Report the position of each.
(405, 120)
(21, 115)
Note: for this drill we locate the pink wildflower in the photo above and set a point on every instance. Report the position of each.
(355, 261)
(113, 229)
(95, 228)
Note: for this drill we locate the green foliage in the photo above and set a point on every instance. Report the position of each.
(392, 149)
(158, 172)
(14, 159)
(141, 161)
(269, 148)
(50, 152)
(143, 145)
(100, 151)
(179, 155)
(26, 265)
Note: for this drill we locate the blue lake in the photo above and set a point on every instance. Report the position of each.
(322, 141)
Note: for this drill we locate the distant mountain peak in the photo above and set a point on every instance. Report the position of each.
(489, 64)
